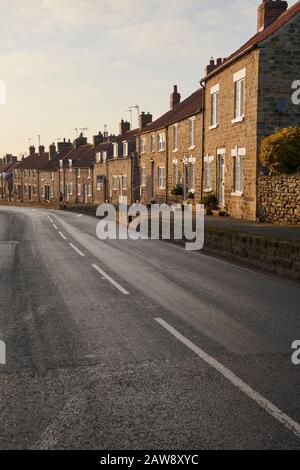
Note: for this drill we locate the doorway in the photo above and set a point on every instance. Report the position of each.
(221, 179)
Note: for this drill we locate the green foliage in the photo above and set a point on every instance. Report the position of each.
(280, 152)
(177, 190)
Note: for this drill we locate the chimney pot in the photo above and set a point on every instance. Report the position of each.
(175, 97)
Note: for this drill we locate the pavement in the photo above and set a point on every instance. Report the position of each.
(284, 232)
(126, 344)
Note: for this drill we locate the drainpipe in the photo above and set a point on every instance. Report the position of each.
(203, 86)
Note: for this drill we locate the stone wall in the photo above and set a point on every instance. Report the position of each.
(279, 199)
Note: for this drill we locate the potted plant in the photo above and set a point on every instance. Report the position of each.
(210, 203)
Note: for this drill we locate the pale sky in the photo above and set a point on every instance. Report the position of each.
(82, 63)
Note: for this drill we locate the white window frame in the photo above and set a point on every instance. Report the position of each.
(175, 137)
(104, 156)
(161, 177)
(175, 173)
(116, 150)
(125, 149)
(143, 144)
(143, 176)
(161, 142)
(124, 179)
(89, 173)
(70, 189)
(239, 96)
(208, 160)
(115, 183)
(79, 189)
(90, 191)
(98, 157)
(238, 154)
(152, 143)
(214, 103)
(192, 129)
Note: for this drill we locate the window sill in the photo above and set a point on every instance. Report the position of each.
(208, 190)
(192, 147)
(238, 119)
(214, 126)
(237, 194)
(175, 150)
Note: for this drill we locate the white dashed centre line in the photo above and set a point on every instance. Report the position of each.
(76, 249)
(268, 406)
(111, 280)
(55, 226)
(62, 236)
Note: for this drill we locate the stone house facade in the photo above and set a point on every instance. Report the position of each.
(116, 170)
(248, 96)
(7, 166)
(170, 150)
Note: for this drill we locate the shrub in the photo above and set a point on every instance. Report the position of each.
(177, 190)
(280, 152)
(209, 201)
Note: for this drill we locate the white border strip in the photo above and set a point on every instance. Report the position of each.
(236, 381)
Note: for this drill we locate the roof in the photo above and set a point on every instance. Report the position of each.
(34, 162)
(261, 36)
(83, 157)
(129, 136)
(187, 108)
(7, 167)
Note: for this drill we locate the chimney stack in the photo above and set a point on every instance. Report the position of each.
(144, 120)
(98, 139)
(32, 150)
(269, 11)
(52, 151)
(64, 147)
(41, 149)
(80, 141)
(175, 97)
(124, 127)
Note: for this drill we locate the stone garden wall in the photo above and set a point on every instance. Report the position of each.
(279, 199)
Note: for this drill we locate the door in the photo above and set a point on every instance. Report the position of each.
(221, 180)
(29, 193)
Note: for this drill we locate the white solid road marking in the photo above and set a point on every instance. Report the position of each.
(62, 235)
(236, 381)
(76, 249)
(80, 215)
(112, 281)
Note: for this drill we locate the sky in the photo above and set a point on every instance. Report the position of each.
(81, 63)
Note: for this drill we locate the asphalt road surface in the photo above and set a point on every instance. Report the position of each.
(139, 344)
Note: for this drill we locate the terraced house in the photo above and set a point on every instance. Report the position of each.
(248, 96)
(116, 170)
(7, 165)
(170, 151)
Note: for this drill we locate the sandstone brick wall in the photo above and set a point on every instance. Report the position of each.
(279, 199)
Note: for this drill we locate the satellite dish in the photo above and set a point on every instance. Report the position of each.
(282, 106)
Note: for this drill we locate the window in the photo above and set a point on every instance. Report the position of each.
(125, 149)
(152, 143)
(214, 108)
(143, 144)
(34, 191)
(192, 133)
(89, 190)
(79, 189)
(98, 157)
(51, 193)
(70, 189)
(175, 173)
(104, 156)
(161, 145)
(208, 173)
(89, 173)
(161, 178)
(143, 177)
(124, 181)
(43, 191)
(52, 175)
(239, 99)
(238, 155)
(115, 183)
(62, 189)
(98, 182)
(175, 138)
(116, 150)
(239, 96)
(78, 173)
(70, 165)
(61, 164)
(191, 177)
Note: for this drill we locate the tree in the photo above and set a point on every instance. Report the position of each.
(280, 152)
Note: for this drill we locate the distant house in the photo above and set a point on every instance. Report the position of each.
(7, 165)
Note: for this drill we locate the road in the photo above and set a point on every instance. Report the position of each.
(139, 344)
